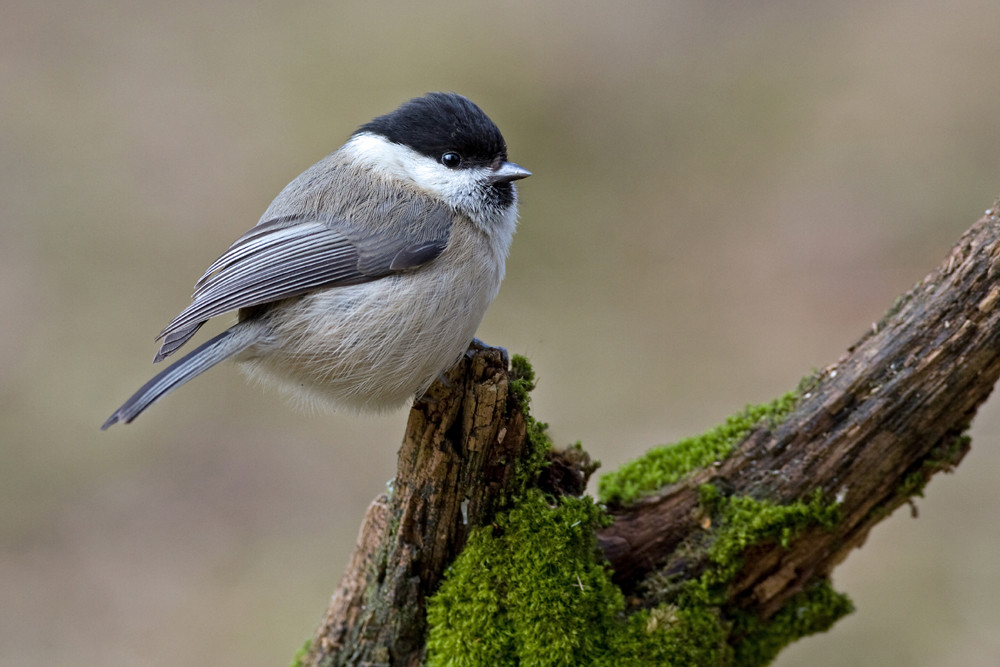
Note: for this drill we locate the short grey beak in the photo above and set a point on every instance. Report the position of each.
(508, 172)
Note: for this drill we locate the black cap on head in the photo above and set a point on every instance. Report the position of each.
(438, 123)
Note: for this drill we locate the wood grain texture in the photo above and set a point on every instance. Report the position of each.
(463, 441)
(868, 431)
(873, 426)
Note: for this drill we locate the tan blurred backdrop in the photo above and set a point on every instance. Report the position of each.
(725, 196)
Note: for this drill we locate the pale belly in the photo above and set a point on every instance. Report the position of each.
(373, 346)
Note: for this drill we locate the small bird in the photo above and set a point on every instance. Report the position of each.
(368, 274)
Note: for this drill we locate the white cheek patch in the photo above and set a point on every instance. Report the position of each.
(450, 184)
(396, 161)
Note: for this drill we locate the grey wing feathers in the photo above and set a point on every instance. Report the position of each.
(291, 255)
(174, 340)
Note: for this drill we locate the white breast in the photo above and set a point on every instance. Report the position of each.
(374, 346)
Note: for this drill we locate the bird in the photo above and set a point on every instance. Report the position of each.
(367, 276)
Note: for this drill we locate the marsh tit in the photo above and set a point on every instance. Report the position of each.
(367, 276)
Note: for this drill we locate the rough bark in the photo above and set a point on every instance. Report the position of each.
(463, 443)
(868, 432)
(871, 430)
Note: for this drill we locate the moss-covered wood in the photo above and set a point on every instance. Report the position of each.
(714, 551)
(466, 452)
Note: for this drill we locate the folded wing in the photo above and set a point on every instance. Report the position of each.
(292, 255)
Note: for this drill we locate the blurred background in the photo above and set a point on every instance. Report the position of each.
(726, 195)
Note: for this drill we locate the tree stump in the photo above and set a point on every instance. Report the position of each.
(856, 441)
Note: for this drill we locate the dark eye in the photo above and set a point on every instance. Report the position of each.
(451, 160)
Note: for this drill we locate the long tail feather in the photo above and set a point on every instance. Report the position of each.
(199, 360)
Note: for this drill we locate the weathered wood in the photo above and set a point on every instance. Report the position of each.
(868, 432)
(463, 440)
(872, 428)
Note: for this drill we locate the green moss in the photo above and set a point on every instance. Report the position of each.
(532, 590)
(665, 465)
(301, 654)
(813, 610)
(740, 522)
(523, 378)
(913, 485)
(526, 469)
(944, 456)
(949, 453)
(670, 635)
